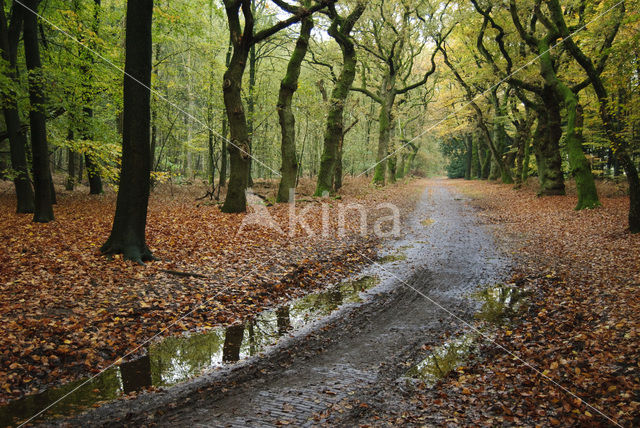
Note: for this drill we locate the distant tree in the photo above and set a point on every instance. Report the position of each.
(397, 42)
(128, 232)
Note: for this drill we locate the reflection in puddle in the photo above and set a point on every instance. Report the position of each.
(443, 360)
(176, 359)
(501, 302)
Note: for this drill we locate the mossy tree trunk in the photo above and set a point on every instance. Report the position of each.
(580, 167)
(9, 38)
(129, 224)
(475, 160)
(546, 144)
(499, 138)
(340, 30)
(522, 141)
(43, 212)
(337, 177)
(385, 120)
(502, 167)
(288, 87)
(411, 158)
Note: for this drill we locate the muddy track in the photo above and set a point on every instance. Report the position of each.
(356, 354)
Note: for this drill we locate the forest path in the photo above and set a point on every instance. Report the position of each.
(362, 350)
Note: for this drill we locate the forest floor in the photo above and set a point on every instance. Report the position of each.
(67, 312)
(573, 357)
(568, 357)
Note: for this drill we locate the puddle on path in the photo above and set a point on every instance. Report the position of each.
(443, 360)
(500, 303)
(176, 359)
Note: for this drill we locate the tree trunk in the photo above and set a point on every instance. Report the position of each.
(93, 170)
(71, 165)
(580, 167)
(476, 168)
(239, 150)
(340, 30)
(384, 134)
(468, 159)
(251, 104)
(337, 179)
(41, 169)
(9, 37)
(225, 132)
(128, 233)
(288, 87)
(546, 144)
(526, 160)
(504, 171)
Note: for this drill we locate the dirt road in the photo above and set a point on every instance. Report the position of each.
(360, 352)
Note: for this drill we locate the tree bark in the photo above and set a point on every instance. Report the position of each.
(128, 232)
(43, 212)
(340, 30)
(9, 37)
(288, 87)
(225, 132)
(239, 149)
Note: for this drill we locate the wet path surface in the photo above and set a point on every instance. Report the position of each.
(357, 352)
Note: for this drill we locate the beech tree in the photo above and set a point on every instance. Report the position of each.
(340, 31)
(129, 224)
(243, 37)
(288, 88)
